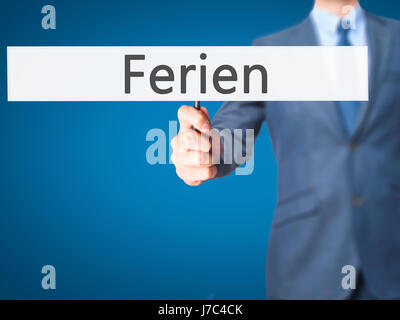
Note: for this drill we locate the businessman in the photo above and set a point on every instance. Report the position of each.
(338, 166)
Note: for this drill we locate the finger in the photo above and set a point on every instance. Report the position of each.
(193, 183)
(196, 174)
(193, 158)
(190, 117)
(205, 111)
(189, 139)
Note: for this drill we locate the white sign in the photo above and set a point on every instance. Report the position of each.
(187, 73)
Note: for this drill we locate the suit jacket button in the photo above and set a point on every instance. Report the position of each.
(353, 145)
(356, 201)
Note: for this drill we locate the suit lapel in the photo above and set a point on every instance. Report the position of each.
(379, 40)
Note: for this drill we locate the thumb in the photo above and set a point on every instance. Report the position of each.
(204, 110)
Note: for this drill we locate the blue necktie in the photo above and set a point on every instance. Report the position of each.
(348, 109)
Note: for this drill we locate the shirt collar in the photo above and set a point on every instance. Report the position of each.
(328, 21)
(325, 21)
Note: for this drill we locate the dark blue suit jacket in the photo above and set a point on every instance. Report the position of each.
(338, 196)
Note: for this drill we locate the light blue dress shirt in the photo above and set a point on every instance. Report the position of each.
(326, 24)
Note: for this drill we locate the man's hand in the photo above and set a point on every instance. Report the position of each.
(193, 149)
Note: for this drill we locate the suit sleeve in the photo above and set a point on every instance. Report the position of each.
(237, 117)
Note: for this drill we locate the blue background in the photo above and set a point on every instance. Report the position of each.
(76, 191)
